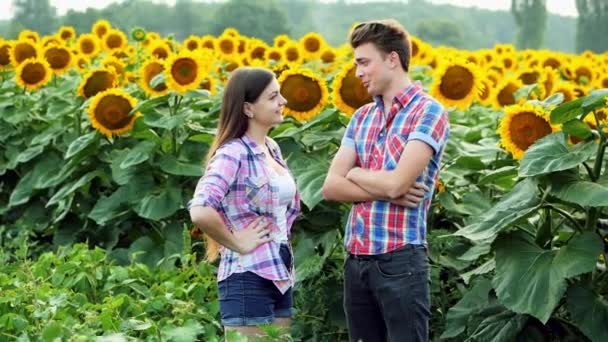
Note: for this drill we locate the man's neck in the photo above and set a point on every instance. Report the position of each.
(397, 86)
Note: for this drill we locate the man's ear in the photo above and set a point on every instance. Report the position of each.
(394, 59)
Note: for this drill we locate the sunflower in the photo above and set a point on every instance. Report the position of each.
(241, 45)
(521, 126)
(311, 45)
(504, 92)
(231, 32)
(328, 55)
(150, 37)
(580, 90)
(192, 43)
(567, 89)
(280, 40)
(504, 49)
(5, 55)
(183, 71)
(33, 73)
(50, 40)
(508, 61)
(159, 49)
(59, 58)
(306, 93)
(601, 82)
(226, 45)
(552, 62)
(96, 81)
(22, 50)
(583, 73)
(138, 34)
(148, 71)
(109, 112)
(274, 54)
(548, 79)
(114, 40)
(119, 66)
(348, 93)
(100, 28)
(29, 35)
(88, 45)
(456, 83)
(415, 47)
(82, 63)
(228, 64)
(208, 42)
(66, 33)
(486, 90)
(292, 53)
(209, 83)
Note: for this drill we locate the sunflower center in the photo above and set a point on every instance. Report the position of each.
(23, 52)
(101, 31)
(507, 62)
(205, 84)
(4, 55)
(551, 62)
(274, 55)
(114, 41)
(506, 96)
(526, 128)
(112, 112)
(292, 54)
(302, 93)
(151, 71)
(87, 47)
(529, 77)
(184, 71)
(415, 49)
(33, 73)
(192, 45)
(66, 35)
(99, 81)
(160, 52)
(226, 46)
(456, 83)
(583, 72)
(208, 44)
(58, 58)
(604, 81)
(258, 53)
(312, 44)
(328, 57)
(353, 92)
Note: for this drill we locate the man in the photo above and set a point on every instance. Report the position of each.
(388, 146)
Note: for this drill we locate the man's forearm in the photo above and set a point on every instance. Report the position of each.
(381, 183)
(340, 189)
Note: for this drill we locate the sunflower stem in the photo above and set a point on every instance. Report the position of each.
(565, 215)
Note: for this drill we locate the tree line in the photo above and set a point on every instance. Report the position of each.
(527, 25)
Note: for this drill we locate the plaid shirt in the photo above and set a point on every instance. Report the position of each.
(379, 227)
(236, 184)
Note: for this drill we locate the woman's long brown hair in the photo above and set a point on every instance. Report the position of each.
(244, 85)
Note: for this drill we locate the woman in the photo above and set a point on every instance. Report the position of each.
(247, 202)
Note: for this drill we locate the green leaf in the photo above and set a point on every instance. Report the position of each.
(502, 326)
(29, 154)
(567, 111)
(552, 153)
(577, 128)
(71, 187)
(107, 208)
(531, 280)
(135, 324)
(162, 205)
(146, 105)
(23, 190)
(156, 119)
(48, 134)
(80, 144)
(484, 268)
(553, 100)
(52, 331)
(589, 312)
(515, 205)
(472, 301)
(157, 80)
(139, 154)
(171, 165)
(310, 170)
(186, 333)
(583, 193)
(595, 100)
(472, 163)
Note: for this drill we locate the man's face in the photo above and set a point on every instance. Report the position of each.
(373, 68)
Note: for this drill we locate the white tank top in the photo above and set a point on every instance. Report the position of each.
(287, 189)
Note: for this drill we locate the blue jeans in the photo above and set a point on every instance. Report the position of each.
(247, 299)
(387, 296)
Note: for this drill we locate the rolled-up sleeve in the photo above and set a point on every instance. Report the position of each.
(215, 183)
(431, 127)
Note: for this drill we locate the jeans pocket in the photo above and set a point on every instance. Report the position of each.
(222, 289)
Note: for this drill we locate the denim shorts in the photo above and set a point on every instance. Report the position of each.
(247, 299)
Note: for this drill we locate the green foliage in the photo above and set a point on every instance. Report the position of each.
(440, 32)
(531, 19)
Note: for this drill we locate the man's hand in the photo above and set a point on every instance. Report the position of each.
(413, 197)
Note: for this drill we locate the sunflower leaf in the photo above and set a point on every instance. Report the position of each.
(577, 128)
(146, 105)
(595, 100)
(567, 111)
(553, 100)
(80, 144)
(552, 153)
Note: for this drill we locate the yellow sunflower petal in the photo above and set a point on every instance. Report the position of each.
(33, 73)
(306, 93)
(109, 112)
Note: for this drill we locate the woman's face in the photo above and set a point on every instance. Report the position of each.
(267, 111)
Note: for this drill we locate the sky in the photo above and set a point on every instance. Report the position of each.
(563, 7)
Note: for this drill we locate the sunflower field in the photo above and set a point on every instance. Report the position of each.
(103, 135)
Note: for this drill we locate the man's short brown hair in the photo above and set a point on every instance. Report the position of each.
(387, 35)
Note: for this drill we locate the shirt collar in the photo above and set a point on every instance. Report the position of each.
(256, 148)
(403, 97)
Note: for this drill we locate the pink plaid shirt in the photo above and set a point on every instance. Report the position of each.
(236, 184)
